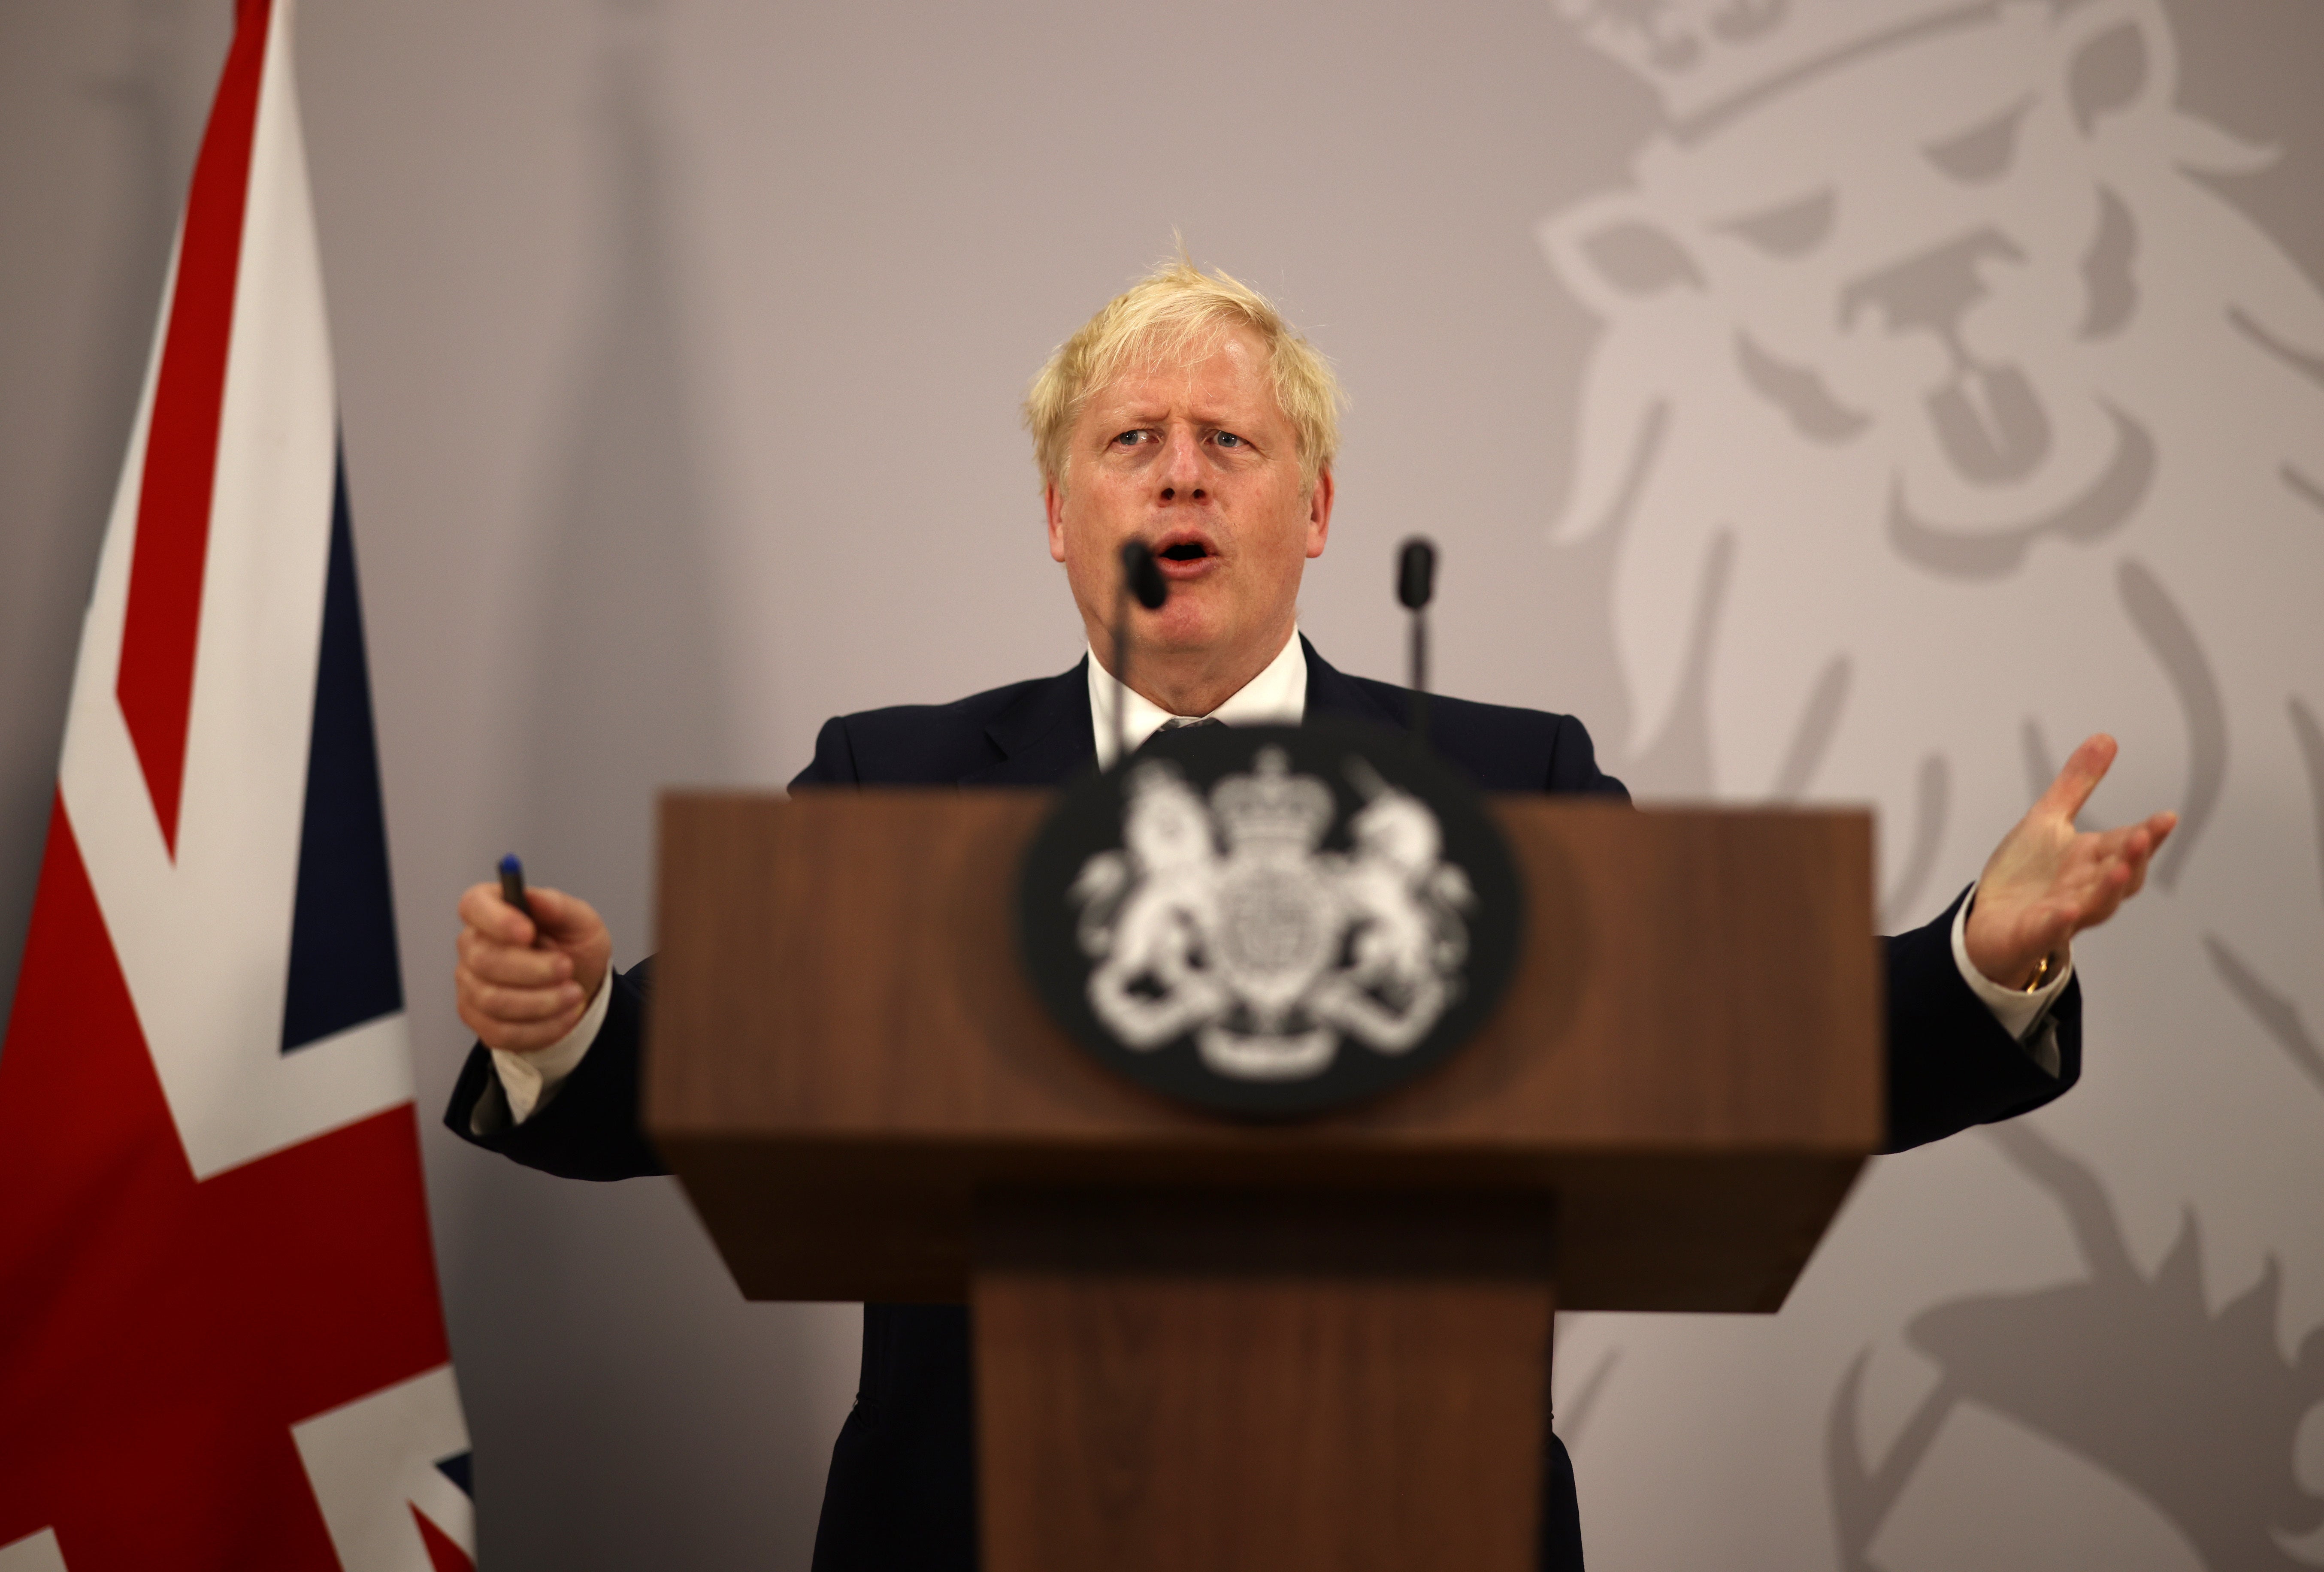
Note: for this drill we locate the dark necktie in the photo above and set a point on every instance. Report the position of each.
(1179, 723)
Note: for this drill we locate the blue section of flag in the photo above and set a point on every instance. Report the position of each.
(344, 968)
(456, 1468)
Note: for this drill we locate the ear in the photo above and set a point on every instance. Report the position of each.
(2113, 60)
(1616, 255)
(1052, 503)
(1319, 512)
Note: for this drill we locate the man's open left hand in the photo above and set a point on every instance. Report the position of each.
(2047, 881)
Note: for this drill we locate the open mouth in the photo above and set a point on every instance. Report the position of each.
(1183, 554)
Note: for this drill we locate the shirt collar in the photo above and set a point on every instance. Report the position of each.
(1276, 697)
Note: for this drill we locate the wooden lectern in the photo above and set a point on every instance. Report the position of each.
(1201, 1344)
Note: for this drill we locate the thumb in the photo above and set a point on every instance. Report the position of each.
(562, 918)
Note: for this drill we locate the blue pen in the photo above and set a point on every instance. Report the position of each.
(512, 884)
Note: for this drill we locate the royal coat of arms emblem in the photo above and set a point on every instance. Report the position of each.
(1271, 921)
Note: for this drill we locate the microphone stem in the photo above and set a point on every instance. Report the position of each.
(1121, 673)
(1420, 674)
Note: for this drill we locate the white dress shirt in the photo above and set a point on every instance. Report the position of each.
(1276, 697)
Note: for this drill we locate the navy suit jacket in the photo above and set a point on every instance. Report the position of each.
(902, 1493)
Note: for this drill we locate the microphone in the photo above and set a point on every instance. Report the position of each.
(1141, 575)
(1416, 584)
(1415, 573)
(1141, 580)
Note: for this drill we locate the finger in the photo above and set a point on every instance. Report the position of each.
(505, 1007)
(2107, 864)
(522, 1037)
(2158, 830)
(2136, 847)
(2109, 845)
(2126, 874)
(509, 964)
(2154, 829)
(516, 1006)
(2154, 833)
(2116, 880)
(483, 909)
(2079, 778)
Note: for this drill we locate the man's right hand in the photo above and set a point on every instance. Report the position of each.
(521, 986)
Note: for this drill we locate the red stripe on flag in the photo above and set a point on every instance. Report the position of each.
(442, 1555)
(158, 1336)
(156, 685)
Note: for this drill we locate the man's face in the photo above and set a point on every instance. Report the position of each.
(1199, 462)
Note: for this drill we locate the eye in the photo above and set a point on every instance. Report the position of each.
(1793, 229)
(1982, 153)
(1130, 439)
(1228, 439)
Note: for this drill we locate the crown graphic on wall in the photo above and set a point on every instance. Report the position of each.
(1703, 55)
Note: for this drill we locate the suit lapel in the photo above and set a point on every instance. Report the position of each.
(1044, 737)
(1330, 694)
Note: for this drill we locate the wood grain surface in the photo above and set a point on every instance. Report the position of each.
(1227, 1382)
(844, 1053)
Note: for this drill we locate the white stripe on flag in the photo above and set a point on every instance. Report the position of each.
(205, 941)
(34, 1553)
(368, 1461)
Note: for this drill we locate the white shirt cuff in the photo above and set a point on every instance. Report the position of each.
(2024, 1015)
(528, 1079)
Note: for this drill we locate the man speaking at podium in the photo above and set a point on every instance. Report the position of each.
(1188, 415)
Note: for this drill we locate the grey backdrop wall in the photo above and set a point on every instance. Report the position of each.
(1829, 399)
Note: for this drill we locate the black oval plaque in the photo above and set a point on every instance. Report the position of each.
(1271, 921)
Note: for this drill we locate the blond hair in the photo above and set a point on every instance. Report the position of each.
(1174, 315)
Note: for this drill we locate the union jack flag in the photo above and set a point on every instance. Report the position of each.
(221, 1343)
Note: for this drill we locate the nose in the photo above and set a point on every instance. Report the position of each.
(1181, 476)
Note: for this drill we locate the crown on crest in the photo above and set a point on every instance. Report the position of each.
(1700, 54)
(1272, 806)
